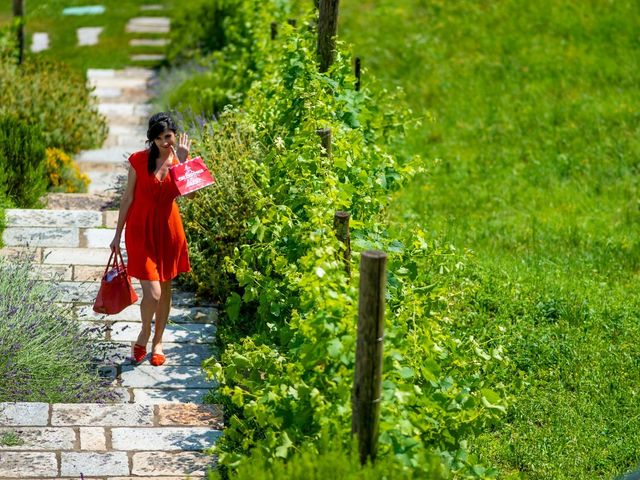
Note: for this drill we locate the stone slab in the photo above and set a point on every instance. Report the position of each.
(76, 256)
(129, 84)
(53, 218)
(51, 272)
(88, 35)
(75, 292)
(41, 237)
(110, 218)
(41, 438)
(165, 376)
(93, 463)
(119, 353)
(148, 57)
(169, 463)
(149, 42)
(39, 42)
(105, 155)
(26, 464)
(99, 237)
(186, 332)
(101, 415)
(105, 182)
(87, 273)
(159, 396)
(17, 253)
(107, 92)
(191, 414)
(148, 25)
(93, 438)
(164, 438)
(24, 414)
(124, 109)
(177, 314)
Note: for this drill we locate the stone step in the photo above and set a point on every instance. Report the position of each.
(168, 395)
(134, 142)
(59, 237)
(53, 218)
(165, 376)
(148, 57)
(163, 438)
(117, 155)
(149, 42)
(118, 109)
(106, 182)
(148, 25)
(76, 256)
(129, 72)
(123, 331)
(187, 314)
(101, 202)
(119, 353)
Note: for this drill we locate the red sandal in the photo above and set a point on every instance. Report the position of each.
(157, 359)
(139, 352)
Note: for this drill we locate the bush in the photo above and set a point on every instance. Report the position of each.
(333, 463)
(215, 223)
(43, 355)
(22, 162)
(63, 173)
(56, 99)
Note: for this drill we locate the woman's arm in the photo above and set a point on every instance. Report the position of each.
(125, 203)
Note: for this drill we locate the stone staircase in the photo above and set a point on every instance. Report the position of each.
(157, 426)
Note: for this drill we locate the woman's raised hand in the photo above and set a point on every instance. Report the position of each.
(184, 145)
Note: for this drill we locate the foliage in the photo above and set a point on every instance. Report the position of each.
(332, 463)
(63, 173)
(22, 162)
(537, 145)
(289, 327)
(56, 99)
(10, 439)
(44, 357)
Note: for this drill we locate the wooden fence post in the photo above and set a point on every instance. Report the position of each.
(274, 30)
(325, 137)
(341, 227)
(358, 65)
(327, 29)
(367, 387)
(18, 11)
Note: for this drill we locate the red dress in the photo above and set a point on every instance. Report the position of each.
(154, 235)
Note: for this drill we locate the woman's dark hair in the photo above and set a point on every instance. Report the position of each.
(158, 123)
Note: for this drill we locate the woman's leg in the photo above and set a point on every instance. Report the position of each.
(151, 293)
(162, 315)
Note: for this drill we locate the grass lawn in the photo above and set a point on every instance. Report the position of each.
(534, 157)
(113, 49)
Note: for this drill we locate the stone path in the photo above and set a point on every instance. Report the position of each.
(157, 427)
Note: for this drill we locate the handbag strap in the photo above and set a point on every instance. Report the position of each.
(124, 267)
(106, 269)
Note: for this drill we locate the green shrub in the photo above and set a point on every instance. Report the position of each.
(56, 99)
(215, 223)
(22, 162)
(43, 355)
(334, 463)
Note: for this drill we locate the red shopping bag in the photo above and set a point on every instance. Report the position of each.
(116, 292)
(190, 176)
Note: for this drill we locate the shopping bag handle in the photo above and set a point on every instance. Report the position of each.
(115, 262)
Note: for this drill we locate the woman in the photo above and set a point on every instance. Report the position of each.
(154, 238)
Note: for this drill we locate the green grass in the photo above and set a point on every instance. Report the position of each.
(112, 50)
(10, 439)
(533, 165)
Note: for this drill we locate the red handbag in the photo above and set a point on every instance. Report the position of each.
(116, 292)
(190, 176)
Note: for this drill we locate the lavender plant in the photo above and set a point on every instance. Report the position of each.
(44, 355)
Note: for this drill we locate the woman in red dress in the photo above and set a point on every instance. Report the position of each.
(154, 238)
